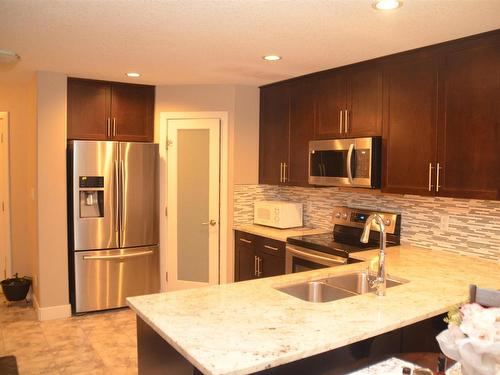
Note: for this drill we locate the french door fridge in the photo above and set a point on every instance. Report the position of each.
(113, 223)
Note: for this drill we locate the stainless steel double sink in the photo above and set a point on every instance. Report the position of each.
(336, 287)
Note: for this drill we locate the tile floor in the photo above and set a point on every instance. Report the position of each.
(99, 343)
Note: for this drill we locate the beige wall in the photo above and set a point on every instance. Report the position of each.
(17, 96)
(246, 135)
(242, 105)
(51, 190)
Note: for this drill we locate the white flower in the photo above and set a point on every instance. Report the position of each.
(480, 323)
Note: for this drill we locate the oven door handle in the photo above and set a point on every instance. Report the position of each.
(313, 257)
(349, 161)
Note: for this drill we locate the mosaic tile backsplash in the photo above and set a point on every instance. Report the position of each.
(473, 225)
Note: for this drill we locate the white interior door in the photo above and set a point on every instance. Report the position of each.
(5, 266)
(193, 188)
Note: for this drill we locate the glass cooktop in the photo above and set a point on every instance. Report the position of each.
(339, 242)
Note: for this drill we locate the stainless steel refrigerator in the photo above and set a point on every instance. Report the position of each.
(112, 222)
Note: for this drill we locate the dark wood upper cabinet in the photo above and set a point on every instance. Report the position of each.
(437, 108)
(364, 101)
(88, 109)
(302, 117)
(331, 104)
(132, 111)
(349, 102)
(274, 133)
(100, 110)
(409, 135)
(469, 143)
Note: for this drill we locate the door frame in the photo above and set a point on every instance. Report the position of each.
(224, 227)
(4, 116)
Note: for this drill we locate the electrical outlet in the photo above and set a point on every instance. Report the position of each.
(445, 222)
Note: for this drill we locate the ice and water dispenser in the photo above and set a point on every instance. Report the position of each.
(91, 196)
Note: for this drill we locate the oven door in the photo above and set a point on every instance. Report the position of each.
(344, 162)
(300, 259)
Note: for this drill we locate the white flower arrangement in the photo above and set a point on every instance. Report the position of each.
(473, 339)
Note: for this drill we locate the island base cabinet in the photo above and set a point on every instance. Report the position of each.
(155, 356)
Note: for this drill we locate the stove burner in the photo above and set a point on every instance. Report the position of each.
(343, 241)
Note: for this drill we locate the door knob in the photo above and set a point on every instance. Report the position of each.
(211, 222)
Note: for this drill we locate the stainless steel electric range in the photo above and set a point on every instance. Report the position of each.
(309, 252)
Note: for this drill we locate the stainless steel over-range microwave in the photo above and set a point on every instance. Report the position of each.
(352, 162)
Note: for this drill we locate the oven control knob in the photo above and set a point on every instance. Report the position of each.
(337, 215)
(344, 216)
(387, 222)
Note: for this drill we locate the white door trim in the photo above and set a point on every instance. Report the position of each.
(4, 118)
(225, 227)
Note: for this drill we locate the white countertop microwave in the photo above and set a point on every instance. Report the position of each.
(278, 214)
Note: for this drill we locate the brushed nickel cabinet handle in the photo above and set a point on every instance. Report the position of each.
(438, 168)
(340, 121)
(284, 172)
(245, 241)
(108, 127)
(114, 127)
(281, 172)
(430, 176)
(259, 261)
(271, 248)
(346, 119)
(255, 265)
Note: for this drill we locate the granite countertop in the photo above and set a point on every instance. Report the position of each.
(278, 234)
(249, 326)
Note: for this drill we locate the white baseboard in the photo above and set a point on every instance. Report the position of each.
(51, 312)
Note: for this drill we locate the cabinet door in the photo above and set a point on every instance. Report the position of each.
(88, 109)
(246, 264)
(301, 131)
(469, 132)
(274, 132)
(270, 265)
(330, 105)
(132, 111)
(364, 102)
(409, 128)
(245, 260)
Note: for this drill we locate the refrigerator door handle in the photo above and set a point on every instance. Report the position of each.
(122, 195)
(118, 256)
(117, 196)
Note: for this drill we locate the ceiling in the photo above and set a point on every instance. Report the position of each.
(222, 41)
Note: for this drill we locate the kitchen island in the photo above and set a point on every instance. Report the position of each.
(250, 326)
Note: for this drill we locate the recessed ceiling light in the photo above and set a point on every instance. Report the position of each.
(133, 74)
(387, 4)
(272, 57)
(7, 56)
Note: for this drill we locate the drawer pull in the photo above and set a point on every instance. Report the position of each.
(245, 241)
(271, 247)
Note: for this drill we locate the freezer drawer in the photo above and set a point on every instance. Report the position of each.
(104, 278)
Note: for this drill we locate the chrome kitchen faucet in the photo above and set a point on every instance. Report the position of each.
(380, 282)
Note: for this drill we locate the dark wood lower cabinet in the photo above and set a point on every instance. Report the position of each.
(156, 356)
(245, 264)
(257, 256)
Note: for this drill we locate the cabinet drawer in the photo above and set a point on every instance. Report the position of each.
(270, 246)
(244, 239)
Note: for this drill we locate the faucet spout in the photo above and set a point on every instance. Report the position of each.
(380, 283)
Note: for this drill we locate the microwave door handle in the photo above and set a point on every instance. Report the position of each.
(349, 162)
